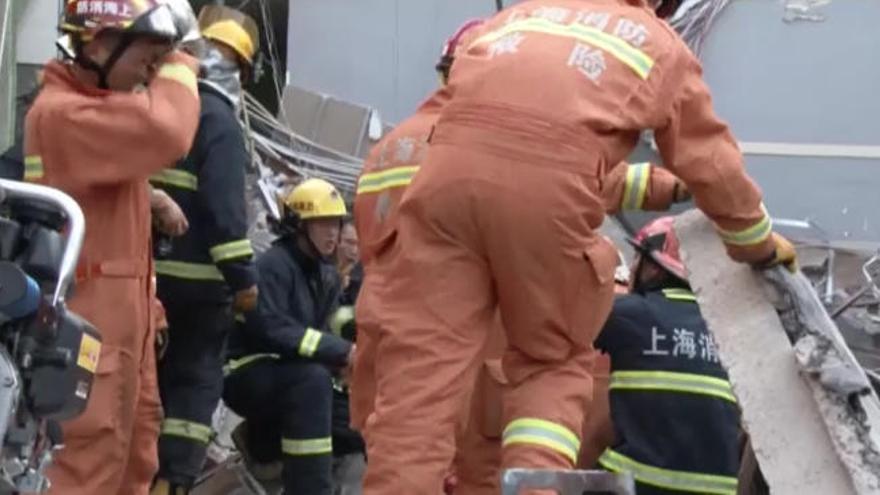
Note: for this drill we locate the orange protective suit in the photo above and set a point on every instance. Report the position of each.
(502, 215)
(388, 169)
(100, 146)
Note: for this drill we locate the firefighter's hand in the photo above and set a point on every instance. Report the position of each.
(784, 254)
(680, 192)
(167, 215)
(246, 299)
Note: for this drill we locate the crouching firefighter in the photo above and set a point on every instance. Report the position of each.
(284, 359)
(664, 360)
(208, 272)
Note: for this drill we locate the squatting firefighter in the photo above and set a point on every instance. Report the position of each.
(208, 273)
(675, 418)
(283, 363)
(125, 107)
(387, 171)
(502, 216)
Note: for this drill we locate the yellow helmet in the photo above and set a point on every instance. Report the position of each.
(232, 28)
(315, 198)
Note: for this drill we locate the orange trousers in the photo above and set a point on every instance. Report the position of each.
(478, 232)
(112, 447)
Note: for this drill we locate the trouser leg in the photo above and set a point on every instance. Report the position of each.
(191, 383)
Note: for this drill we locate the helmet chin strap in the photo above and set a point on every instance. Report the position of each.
(103, 70)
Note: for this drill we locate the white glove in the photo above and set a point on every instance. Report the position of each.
(184, 20)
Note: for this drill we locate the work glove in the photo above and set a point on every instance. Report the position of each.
(184, 20)
(784, 254)
(246, 299)
(680, 192)
(167, 215)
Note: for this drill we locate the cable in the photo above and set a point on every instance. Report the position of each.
(269, 28)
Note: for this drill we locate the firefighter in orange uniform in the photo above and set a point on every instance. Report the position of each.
(125, 107)
(502, 216)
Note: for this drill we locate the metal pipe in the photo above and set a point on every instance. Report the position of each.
(76, 224)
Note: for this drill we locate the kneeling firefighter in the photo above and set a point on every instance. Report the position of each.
(664, 360)
(285, 357)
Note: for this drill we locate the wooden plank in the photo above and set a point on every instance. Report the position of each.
(791, 443)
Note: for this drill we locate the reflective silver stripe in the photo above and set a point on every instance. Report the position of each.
(668, 381)
(243, 361)
(33, 167)
(340, 318)
(176, 178)
(189, 271)
(309, 343)
(679, 295)
(235, 249)
(309, 446)
(637, 177)
(386, 179)
(755, 234)
(543, 433)
(635, 59)
(187, 429)
(666, 478)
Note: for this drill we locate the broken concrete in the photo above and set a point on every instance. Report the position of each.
(788, 433)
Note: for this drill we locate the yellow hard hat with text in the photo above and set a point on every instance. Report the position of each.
(315, 198)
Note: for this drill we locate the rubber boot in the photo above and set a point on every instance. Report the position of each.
(165, 487)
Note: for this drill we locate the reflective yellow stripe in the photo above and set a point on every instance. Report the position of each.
(309, 343)
(187, 429)
(176, 178)
(180, 73)
(241, 362)
(229, 250)
(544, 433)
(668, 381)
(189, 271)
(679, 295)
(386, 179)
(636, 59)
(310, 446)
(637, 176)
(340, 318)
(685, 481)
(755, 234)
(33, 167)
(239, 317)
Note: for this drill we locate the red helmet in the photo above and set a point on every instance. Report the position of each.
(657, 240)
(84, 19)
(447, 55)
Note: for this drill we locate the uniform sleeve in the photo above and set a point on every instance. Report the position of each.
(700, 149)
(638, 186)
(221, 194)
(282, 332)
(120, 137)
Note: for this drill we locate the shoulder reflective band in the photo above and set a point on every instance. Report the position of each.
(340, 318)
(235, 249)
(187, 429)
(684, 481)
(239, 317)
(386, 179)
(180, 73)
(309, 343)
(637, 177)
(544, 433)
(33, 167)
(669, 381)
(635, 59)
(176, 178)
(310, 446)
(189, 271)
(241, 362)
(755, 234)
(679, 295)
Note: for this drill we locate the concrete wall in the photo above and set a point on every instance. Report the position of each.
(379, 53)
(37, 30)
